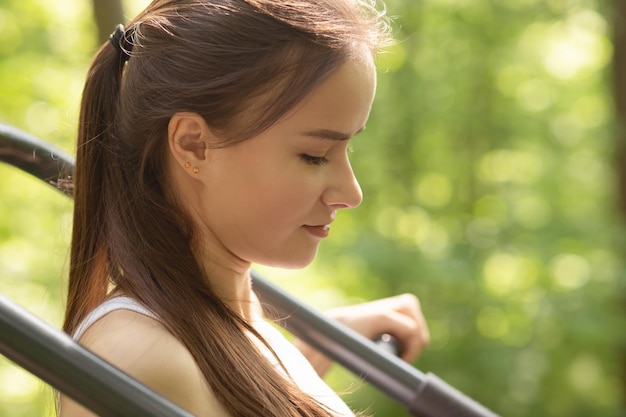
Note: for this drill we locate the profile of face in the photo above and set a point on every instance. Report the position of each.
(271, 199)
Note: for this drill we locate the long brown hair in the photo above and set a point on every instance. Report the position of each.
(242, 65)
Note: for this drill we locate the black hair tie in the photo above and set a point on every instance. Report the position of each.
(121, 42)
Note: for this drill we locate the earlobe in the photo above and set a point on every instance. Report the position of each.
(195, 170)
(188, 136)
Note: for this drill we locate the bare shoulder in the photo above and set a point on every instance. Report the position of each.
(143, 348)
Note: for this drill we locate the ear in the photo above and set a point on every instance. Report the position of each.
(188, 137)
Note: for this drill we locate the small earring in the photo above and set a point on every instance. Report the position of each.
(196, 170)
(187, 164)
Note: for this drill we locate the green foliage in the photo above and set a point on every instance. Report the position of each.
(44, 53)
(489, 192)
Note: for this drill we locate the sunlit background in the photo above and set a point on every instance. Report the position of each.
(490, 192)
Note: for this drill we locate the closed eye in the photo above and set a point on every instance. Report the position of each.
(314, 160)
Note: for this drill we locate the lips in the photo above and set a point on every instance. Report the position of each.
(319, 231)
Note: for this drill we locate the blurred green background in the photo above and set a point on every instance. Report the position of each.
(490, 172)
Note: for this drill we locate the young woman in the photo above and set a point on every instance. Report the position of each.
(214, 134)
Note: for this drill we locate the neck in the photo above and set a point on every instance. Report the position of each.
(230, 278)
(234, 288)
(228, 275)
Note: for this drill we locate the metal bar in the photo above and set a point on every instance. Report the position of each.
(388, 373)
(61, 362)
(423, 395)
(36, 157)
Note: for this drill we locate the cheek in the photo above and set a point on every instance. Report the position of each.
(262, 193)
(283, 200)
(285, 184)
(257, 203)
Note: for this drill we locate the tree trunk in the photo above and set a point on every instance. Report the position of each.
(107, 14)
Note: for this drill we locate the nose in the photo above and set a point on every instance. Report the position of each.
(344, 191)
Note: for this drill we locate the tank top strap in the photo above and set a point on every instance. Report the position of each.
(113, 304)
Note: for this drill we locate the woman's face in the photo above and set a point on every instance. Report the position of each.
(271, 199)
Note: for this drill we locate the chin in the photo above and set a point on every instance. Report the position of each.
(296, 262)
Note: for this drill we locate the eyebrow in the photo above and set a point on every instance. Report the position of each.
(331, 134)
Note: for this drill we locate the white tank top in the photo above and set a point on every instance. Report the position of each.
(296, 364)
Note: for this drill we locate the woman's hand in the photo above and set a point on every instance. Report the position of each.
(400, 316)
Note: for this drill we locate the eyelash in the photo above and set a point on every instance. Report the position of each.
(314, 160)
(318, 160)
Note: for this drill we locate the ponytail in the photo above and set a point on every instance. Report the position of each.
(88, 275)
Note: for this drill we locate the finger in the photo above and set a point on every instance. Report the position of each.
(412, 335)
(418, 337)
(407, 304)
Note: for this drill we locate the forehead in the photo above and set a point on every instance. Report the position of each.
(343, 101)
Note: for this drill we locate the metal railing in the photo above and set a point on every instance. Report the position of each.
(54, 357)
